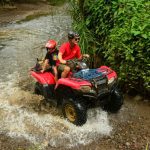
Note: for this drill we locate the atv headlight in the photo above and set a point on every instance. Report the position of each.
(85, 89)
(111, 80)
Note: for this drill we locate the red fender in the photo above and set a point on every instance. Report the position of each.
(43, 78)
(111, 74)
(72, 82)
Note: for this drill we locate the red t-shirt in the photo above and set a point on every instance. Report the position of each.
(68, 52)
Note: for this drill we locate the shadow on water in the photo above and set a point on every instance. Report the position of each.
(2, 46)
(34, 16)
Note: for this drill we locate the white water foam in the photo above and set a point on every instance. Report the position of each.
(44, 129)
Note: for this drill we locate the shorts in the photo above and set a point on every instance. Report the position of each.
(61, 67)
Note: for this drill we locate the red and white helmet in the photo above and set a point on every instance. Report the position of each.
(51, 44)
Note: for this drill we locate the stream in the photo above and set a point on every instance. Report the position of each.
(21, 44)
(20, 117)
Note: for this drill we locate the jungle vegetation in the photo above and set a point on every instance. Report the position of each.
(117, 33)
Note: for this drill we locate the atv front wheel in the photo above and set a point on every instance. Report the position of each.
(115, 101)
(74, 111)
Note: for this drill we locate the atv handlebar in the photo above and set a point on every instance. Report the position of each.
(76, 61)
(76, 64)
(85, 58)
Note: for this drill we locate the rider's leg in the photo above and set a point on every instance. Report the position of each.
(65, 72)
(55, 73)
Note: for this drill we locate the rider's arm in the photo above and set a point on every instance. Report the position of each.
(78, 54)
(80, 58)
(45, 65)
(61, 59)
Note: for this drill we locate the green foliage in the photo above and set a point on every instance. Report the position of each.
(129, 42)
(87, 39)
(121, 35)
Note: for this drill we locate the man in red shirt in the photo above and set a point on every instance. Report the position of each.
(69, 50)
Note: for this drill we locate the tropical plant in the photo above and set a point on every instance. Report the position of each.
(120, 32)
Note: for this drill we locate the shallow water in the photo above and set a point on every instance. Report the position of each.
(20, 45)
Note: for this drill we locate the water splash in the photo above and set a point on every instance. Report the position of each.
(18, 118)
(40, 128)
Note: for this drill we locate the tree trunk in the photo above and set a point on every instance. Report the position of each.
(81, 6)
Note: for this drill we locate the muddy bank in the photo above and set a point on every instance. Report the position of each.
(25, 12)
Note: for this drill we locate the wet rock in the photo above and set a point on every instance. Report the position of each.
(45, 143)
(137, 98)
(146, 100)
(127, 144)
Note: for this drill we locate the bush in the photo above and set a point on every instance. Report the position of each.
(128, 42)
(121, 29)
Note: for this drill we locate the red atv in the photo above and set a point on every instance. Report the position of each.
(82, 89)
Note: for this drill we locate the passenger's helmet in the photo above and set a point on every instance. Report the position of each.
(51, 44)
(72, 35)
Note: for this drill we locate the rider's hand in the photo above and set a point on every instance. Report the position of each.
(63, 61)
(42, 71)
(86, 55)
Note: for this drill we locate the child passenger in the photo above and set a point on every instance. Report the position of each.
(51, 58)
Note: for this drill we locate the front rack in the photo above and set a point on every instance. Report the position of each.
(89, 74)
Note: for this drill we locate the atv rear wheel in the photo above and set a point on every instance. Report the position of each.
(74, 111)
(115, 101)
(38, 88)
